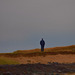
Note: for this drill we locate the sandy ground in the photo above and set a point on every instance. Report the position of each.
(69, 58)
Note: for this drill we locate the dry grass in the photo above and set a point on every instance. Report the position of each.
(54, 49)
(37, 52)
(64, 54)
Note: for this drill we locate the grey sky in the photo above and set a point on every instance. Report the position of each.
(24, 22)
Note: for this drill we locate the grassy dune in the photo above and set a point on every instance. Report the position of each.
(54, 49)
(47, 51)
(37, 52)
(64, 54)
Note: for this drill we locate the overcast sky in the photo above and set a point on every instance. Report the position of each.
(24, 22)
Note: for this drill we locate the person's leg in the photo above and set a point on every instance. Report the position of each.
(42, 48)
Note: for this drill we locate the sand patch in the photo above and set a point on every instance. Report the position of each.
(69, 58)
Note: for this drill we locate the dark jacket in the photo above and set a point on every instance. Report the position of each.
(42, 43)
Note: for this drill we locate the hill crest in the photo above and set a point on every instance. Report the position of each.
(53, 49)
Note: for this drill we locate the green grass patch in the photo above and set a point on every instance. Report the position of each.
(5, 60)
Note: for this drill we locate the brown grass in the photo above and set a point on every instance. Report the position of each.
(64, 54)
(37, 52)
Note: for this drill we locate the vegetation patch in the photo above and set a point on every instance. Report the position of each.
(5, 60)
(37, 52)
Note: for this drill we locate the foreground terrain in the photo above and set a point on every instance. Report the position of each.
(70, 58)
(53, 61)
(38, 69)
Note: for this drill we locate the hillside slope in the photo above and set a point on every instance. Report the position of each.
(54, 49)
(37, 52)
(64, 54)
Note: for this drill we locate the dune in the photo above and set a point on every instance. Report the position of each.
(64, 54)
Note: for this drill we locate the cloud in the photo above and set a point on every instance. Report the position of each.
(27, 19)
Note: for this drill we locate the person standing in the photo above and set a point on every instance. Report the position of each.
(42, 43)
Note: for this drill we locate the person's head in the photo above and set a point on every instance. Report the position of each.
(42, 38)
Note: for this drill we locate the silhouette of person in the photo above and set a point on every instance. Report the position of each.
(42, 43)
